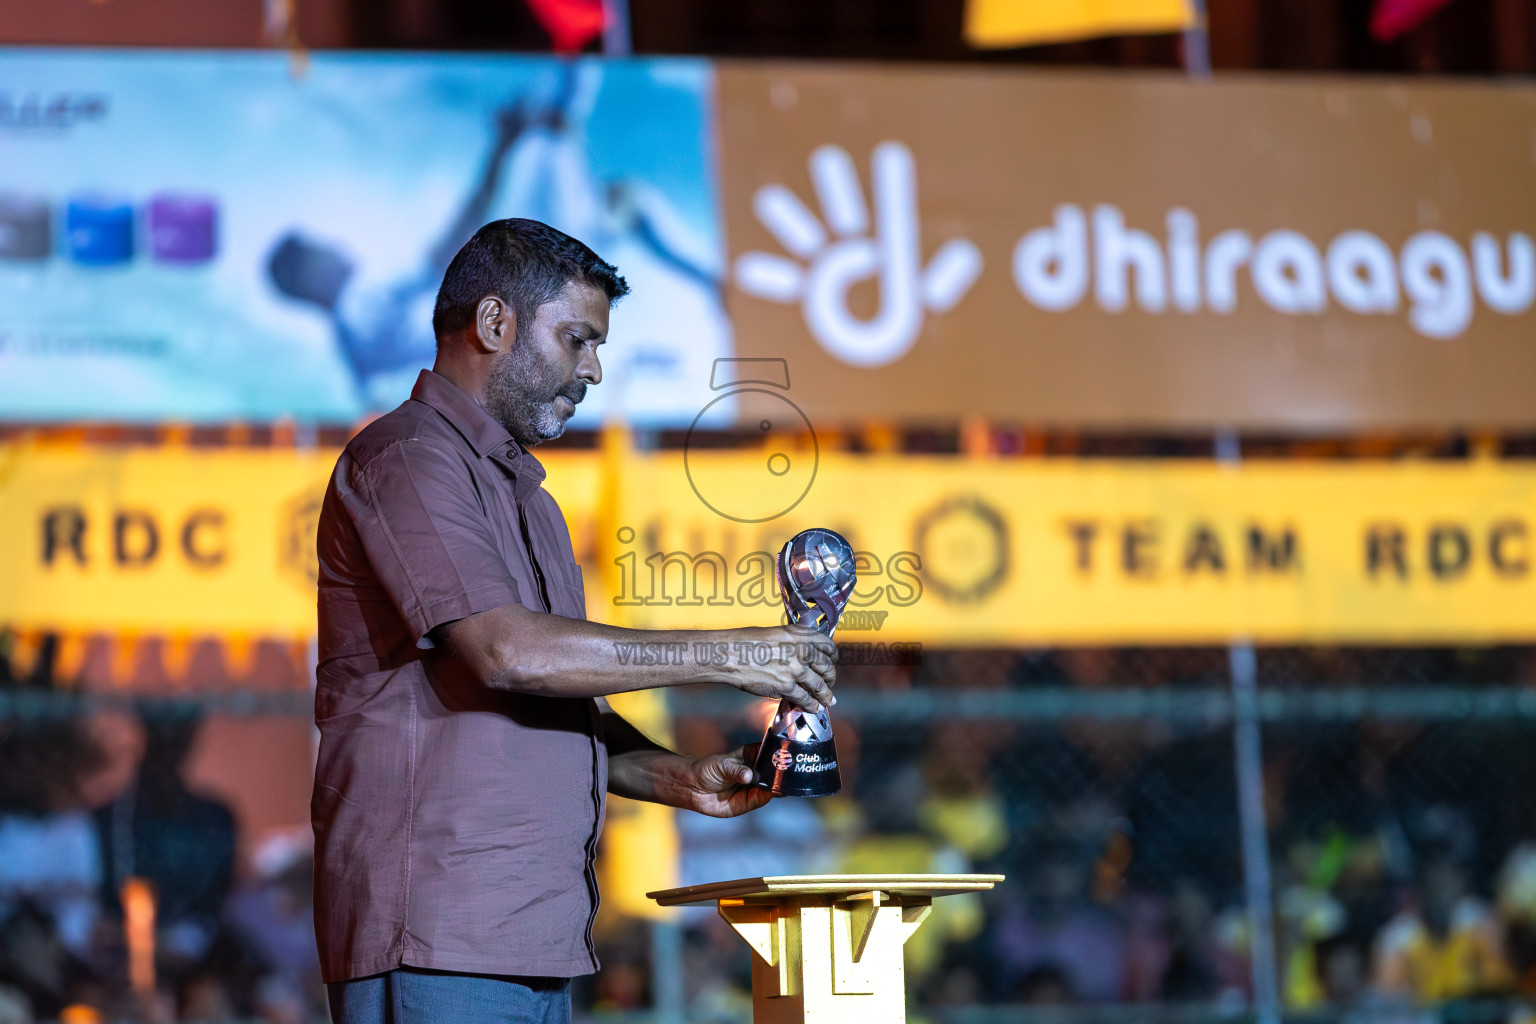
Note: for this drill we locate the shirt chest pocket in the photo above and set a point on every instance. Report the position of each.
(519, 560)
(531, 553)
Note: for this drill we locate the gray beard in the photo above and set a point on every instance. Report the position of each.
(520, 395)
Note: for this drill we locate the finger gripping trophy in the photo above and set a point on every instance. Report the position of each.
(797, 756)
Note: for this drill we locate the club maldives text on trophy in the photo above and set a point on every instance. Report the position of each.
(798, 756)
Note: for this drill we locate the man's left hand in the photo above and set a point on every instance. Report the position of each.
(720, 785)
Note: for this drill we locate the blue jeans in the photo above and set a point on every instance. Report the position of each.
(413, 995)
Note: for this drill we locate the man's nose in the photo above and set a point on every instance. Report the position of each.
(589, 369)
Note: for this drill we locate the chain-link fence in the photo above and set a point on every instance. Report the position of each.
(1348, 836)
(1151, 811)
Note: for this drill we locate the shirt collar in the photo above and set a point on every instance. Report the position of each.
(488, 438)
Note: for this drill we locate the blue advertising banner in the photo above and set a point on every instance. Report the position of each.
(213, 237)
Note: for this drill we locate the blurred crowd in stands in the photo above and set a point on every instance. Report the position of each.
(93, 808)
(1403, 854)
(1403, 851)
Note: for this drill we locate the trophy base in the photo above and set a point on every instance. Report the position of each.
(788, 768)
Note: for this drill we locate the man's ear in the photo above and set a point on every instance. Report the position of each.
(495, 324)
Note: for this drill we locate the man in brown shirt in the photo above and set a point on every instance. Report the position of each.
(465, 748)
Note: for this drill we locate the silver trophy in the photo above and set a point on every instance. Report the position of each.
(797, 756)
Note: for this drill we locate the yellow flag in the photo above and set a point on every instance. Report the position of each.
(993, 24)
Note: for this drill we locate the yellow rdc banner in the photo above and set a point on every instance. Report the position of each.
(160, 540)
(1018, 552)
(952, 550)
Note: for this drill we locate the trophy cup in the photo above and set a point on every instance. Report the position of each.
(797, 756)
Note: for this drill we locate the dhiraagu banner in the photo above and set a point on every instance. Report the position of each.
(237, 236)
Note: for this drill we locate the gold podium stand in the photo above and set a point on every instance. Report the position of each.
(827, 948)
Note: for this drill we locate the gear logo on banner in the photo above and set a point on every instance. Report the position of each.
(299, 523)
(963, 543)
(829, 264)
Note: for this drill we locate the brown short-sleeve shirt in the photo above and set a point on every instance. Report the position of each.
(453, 830)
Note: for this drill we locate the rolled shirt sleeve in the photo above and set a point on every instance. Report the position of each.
(420, 519)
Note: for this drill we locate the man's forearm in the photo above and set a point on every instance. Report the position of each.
(654, 774)
(523, 651)
(514, 648)
(716, 784)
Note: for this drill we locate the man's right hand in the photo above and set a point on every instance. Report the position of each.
(795, 663)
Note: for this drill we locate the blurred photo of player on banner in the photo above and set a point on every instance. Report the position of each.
(289, 270)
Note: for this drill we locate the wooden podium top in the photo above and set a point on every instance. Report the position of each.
(822, 885)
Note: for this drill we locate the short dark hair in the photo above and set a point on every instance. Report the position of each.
(525, 263)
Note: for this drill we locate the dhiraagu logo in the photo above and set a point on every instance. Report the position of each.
(843, 247)
(1095, 256)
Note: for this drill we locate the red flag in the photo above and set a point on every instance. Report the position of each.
(572, 24)
(1392, 18)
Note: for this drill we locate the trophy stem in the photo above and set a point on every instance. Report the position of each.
(798, 755)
